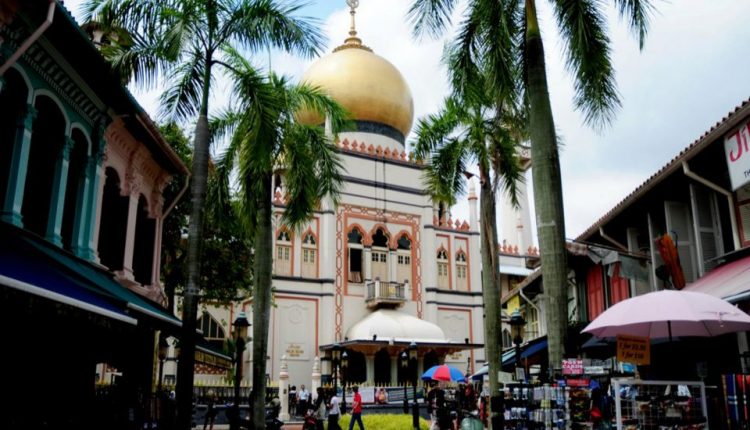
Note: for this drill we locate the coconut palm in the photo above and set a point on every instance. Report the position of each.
(264, 137)
(509, 29)
(467, 132)
(181, 41)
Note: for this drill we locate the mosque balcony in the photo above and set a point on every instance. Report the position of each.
(385, 294)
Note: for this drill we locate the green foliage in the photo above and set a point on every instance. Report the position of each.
(226, 272)
(385, 422)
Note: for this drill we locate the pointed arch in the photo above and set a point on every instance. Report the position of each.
(364, 239)
(396, 242)
(310, 255)
(385, 232)
(284, 255)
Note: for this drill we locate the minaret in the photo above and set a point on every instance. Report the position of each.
(473, 218)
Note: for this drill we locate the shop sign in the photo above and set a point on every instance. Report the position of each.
(633, 349)
(737, 149)
(572, 366)
(594, 370)
(583, 382)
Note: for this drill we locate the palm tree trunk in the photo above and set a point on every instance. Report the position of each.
(186, 363)
(548, 201)
(262, 300)
(490, 279)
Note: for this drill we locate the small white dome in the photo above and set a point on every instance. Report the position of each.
(395, 325)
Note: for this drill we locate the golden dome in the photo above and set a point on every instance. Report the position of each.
(365, 84)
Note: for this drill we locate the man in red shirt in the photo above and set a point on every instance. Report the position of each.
(356, 409)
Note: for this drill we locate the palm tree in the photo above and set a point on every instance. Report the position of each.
(510, 29)
(181, 41)
(265, 137)
(465, 132)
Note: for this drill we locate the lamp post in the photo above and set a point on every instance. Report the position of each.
(517, 324)
(336, 362)
(344, 367)
(241, 325)
(163, 349)
(415, 363)
(404, 367)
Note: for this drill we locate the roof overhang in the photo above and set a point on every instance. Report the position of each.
(396, 346)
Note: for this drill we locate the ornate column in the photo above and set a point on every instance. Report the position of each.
(94, 172)
(367, 264)
(392, 268)
(370, 368)
(133, 190)
(284, 389)
(59, 183)
(315, 376)
(394, 370)
(19, 163)
(83, 195)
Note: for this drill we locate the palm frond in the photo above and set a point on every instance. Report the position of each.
(430, 16)
(256, 24)
(588, 57)
(181, 99)
(638, 14)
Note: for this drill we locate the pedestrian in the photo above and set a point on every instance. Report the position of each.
(356, 409)
(293, 400)
(303, 397)
(321, 409)
(211, 411)
(334, 411)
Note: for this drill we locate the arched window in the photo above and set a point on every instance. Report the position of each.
(143, 254)
(114, 222)
(379, 255)
(47, 143)
(403, 259)
(309, 256)
(283, 264)
(212, 330)
(382, 367)
(354, 239)
(462, 277)
(442, 269)
(75, 189)
(12, 110)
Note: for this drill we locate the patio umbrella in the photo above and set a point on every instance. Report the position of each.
(443, 372)
(668, 313)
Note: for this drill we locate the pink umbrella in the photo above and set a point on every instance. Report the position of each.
(666, 313)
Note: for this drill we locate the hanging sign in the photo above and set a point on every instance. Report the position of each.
(572, 366)
(737, 149)
(634, 349)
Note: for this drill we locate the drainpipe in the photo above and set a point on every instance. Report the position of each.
(730, 200)
(33, 38)
(612, 239)
(177, 199)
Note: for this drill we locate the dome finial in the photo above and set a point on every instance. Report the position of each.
(353, 4)
(352, 41)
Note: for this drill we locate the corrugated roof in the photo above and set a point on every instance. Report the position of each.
(730, 121)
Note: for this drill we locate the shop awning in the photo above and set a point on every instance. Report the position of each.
(32, 265)
(730, 282)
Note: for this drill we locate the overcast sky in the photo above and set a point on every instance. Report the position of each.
(693, 70)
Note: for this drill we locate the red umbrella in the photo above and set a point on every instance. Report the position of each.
(443, 372)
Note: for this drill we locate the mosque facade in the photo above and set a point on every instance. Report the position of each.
(385, 267)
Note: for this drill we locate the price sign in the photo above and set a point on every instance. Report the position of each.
(633, 349)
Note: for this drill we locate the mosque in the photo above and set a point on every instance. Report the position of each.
(385, 267)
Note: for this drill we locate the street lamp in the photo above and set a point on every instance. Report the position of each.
(415, 405)
(517, 324)
(404, 367)
(241, 325)
(344, 367)
(163, 349)
(336, 360)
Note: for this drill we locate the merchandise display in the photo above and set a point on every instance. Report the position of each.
(659, 405)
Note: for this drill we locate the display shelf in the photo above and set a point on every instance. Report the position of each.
(659, 405)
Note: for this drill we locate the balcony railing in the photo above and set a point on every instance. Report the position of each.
(385, 293)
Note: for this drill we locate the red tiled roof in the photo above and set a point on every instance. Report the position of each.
(720, 128)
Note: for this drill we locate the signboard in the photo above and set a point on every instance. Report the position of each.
(633, 349)
(737, 149)
(514, 303)
(572, 366)
(579, 382)
(594, 370)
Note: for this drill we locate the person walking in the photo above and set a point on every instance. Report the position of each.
(321, 409)
(334, 411)
(356, 409)
(303, 397)
(211, 411)
(293, 401)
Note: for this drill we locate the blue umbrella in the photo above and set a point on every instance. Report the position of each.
(443, 372)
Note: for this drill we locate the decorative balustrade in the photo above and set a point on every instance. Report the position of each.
(385, 293)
